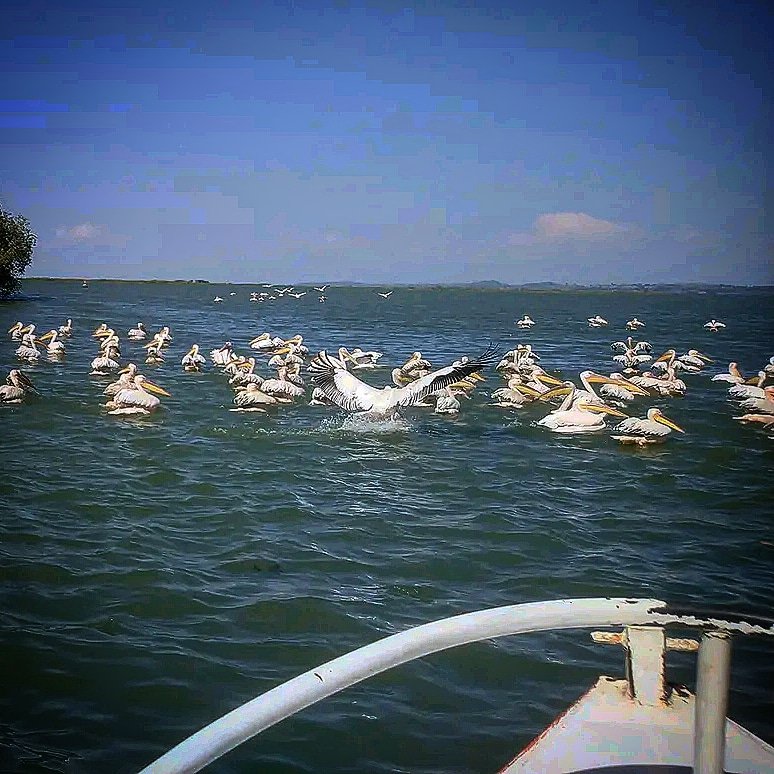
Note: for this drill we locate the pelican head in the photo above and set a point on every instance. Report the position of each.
(655, 415)
(696, 353)
(19, 379)
(563, 389)
(668, 355)
(597, 409)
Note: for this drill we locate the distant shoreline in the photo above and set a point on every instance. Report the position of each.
(483, 285)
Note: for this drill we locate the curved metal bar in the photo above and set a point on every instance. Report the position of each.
(239, 725)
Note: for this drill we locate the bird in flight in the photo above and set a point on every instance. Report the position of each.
(321, 289)
(385, 295)
(350, 393)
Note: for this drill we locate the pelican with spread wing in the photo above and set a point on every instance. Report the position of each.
(348, 392)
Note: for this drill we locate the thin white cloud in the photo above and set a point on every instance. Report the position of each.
(83, 232)
(552, 227)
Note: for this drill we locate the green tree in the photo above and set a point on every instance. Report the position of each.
(17, 243)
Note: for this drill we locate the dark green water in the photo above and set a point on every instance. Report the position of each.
(158, 572)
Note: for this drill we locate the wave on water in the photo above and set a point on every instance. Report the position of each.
(363, 424)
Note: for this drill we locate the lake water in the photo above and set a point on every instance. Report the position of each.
(157, 572)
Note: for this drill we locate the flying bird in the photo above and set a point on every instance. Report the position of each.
(348, 392)
(386, 295)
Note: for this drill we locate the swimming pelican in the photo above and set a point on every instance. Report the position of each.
(124, 381)
(734, 375)
(752, 388)
(620, 389)
(67, 328)
(252, 398)
(100, 330)
(597, 321)
(350, 394)
(359, 358)
(525, 322)
(103, 364)
(282, 386)
(217, 300)
(54, 347)
(515, 395)
(714, 326)
(155, 355)
(245, 375)
(764, 405)
(16, 331)
(767, 420)
(222, 355)
(136, 399)
(138, 333)
(28, 349)
(192, 360)
(448, 403)
(17, 385)
(264, 342)
(634, 324)
(577, 416)
(654, 429)
(693, 361)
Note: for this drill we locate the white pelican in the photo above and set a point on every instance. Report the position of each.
(350, 394)
(252, 398)
(634, 324)
(155, 355)
(84, 284)
(415, 366)
(28, 349)
(525, 322)
(359, 358)
(323, 299)
(17, 385)
(192, 360)
(54, 347)
(222, 355)
(769, 367)
(319, 399)
(138, 333)
(670, 360)
(577, 416)
(588, 395)
(764, 405)
(125, 379)
(620, 389)
(387, 294)
(103, 364)
(254, 297)
(217, 300)
(693, 360)
(16, 331)
(596, 321)
(322, 289)
(714, 325)
(734, 375)
(232, 367)
(100, 330)
(137, 398)
(263, 342)
(245, 374)
(654, 429)
(515, 395)
(447, 402)
(752, 388)
(67, 328)
(767, 420)
(282, 387)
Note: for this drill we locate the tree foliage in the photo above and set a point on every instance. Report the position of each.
(17, 243)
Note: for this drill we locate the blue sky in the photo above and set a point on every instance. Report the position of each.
(382, 142)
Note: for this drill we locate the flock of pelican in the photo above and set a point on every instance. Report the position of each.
(584, 406)
(272, 293)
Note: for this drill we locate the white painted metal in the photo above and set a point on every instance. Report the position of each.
(712, 679)
(251, 718)
(645, 664)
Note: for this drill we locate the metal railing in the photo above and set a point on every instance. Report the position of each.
(241, 724)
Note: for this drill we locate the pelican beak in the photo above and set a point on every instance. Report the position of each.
(151, 387)
(546, 379)
(602, 410)
(704, 358)
(124, 370)
(281, 351)
(47, 336)
(190, 352)
(557, 391)
(476, 377)
(661, 419)
(524, 390)
(600, 379)
(26, 329)
(13, 328)
(666, 356)
(631, 386)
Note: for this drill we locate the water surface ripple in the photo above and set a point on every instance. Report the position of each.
(157, 572)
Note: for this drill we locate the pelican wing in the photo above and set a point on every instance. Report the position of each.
(444, 377)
